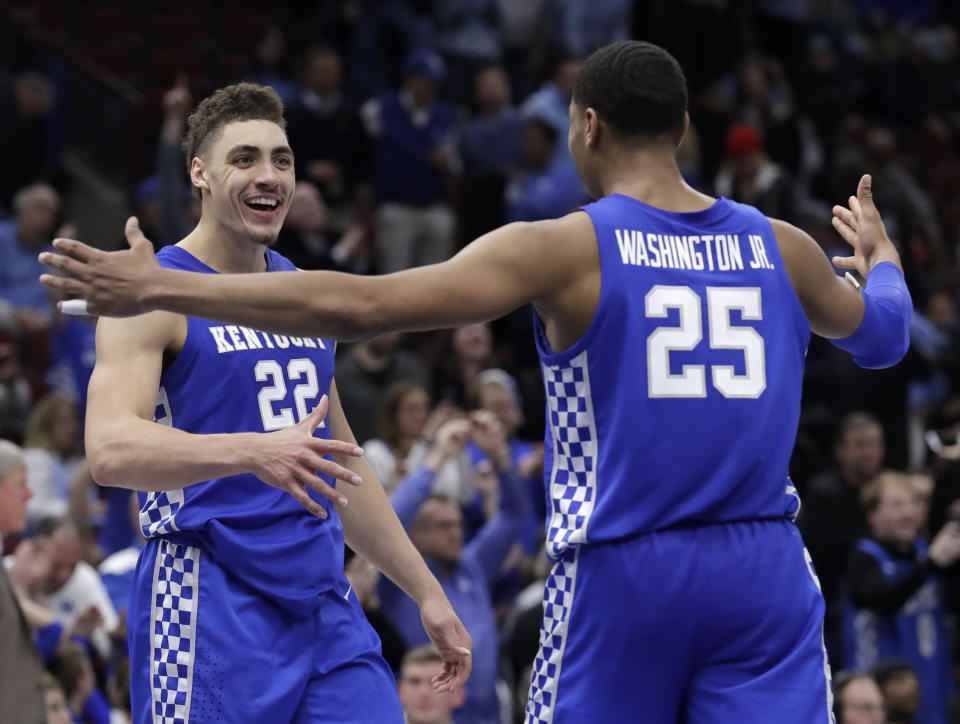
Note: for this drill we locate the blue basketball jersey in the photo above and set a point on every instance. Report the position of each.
(679, 404)
(917, 632)
(230, 379)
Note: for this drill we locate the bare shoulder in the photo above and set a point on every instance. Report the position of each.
(151, 332)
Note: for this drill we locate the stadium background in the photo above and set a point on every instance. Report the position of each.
(790, 100)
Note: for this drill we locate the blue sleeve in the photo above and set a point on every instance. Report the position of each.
(95, 709)
(47, 638)
(494, 540)
(883, 337)
(411, 493)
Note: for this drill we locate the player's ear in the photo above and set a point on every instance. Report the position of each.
(198, 174)
(683, 131)
(591, 127)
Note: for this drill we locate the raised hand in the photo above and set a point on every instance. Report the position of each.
(490, 436)
(452, 641)
(289, 460)
(111, 282)
(861, 227)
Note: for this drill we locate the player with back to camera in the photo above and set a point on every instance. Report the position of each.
(671, 328)
(240, 610)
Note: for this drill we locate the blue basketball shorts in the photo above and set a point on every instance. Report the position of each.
(709, 625)
(204, 647)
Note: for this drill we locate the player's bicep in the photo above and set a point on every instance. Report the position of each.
(833, 306)
(511, 266)
(126, 376)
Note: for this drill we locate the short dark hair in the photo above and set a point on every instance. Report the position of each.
(637, 88)
(237, 102)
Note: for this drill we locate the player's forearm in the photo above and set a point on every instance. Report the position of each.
(316, 304)
(372, 529)
(143, 455)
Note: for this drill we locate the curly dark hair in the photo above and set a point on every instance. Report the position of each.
(237, 102)
(637, 88)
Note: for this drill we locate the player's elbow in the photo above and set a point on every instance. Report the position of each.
(106, 463)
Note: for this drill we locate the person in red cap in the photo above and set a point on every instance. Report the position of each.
(750, 177)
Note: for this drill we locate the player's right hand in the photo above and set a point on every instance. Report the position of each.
(113, 283)
(861, 227)
(290, 459)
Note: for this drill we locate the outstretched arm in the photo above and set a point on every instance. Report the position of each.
(509, 267)
(372, 529)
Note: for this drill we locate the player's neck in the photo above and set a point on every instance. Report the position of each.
(227, 253)
(651, 176)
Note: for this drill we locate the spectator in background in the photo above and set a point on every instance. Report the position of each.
(20, 666)
(36, 209)
(552, 104)
(411, 134)
(857, 699)
(490, 147)
(73, 585)
(581, 26)
(366, 370)
(421, 704)
(271, 66)
(465, 571)
(409, 438)
(470, 351)
(325, 130)
(896, 606)
(52, 443)
(831, 518)
(71, 668)
(542, 188)
(901, 691)
(750, 177)
(307, 241)
(164, 202)
(469, 38)
(55, 701)
(16, 394)
(29, 150)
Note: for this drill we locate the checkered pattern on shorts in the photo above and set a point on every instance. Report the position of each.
(173, 639)
(573, 482)
(557, 603)
(158, 515)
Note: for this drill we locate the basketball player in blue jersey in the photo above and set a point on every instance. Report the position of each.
(240, 610)
(672, 328)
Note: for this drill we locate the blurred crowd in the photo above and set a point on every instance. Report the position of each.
(420, 125)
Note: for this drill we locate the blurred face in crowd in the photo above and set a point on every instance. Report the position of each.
(57, 711)
(323, 74)
(499, 400)
(537, 146)
(492, 90)
(896, 518)
(308, 213)
(65, 429)
(423, 90)
(473, 342)
(412, 413)
(922, 485)
(901, 694)
(66, 553)
(862, 702)
(37, 213)
(249, 175)
(861, 451)
(421, 704)
(566, 76)
(14, 495)
(438, 531)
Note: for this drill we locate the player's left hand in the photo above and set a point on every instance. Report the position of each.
(112, 282)
(451, 639)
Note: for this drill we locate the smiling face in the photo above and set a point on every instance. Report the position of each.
(247, 179)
